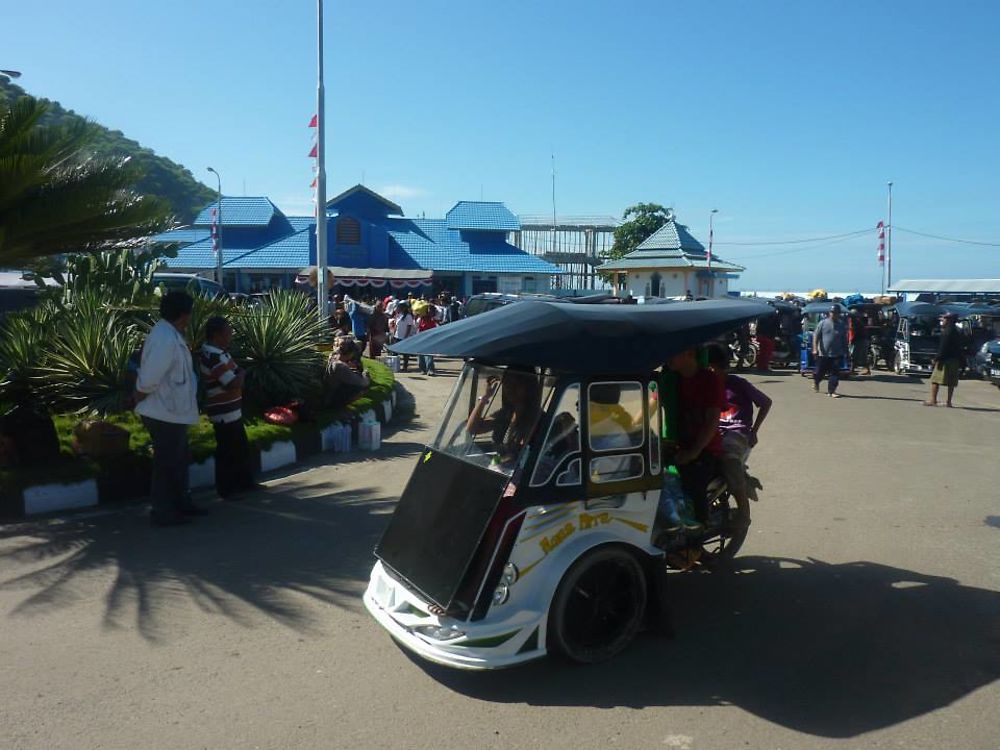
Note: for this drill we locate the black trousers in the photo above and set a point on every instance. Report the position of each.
(695, 478)
(233, 468)
(827, 366)
(169, 490)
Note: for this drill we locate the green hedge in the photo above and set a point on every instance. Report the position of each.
(201, 437)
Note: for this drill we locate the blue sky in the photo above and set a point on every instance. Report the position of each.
(789, 117)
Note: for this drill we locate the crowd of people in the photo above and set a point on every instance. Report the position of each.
(377, 323)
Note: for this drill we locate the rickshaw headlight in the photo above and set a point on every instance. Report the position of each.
(440, 632)
(510, 573)
(501, 593)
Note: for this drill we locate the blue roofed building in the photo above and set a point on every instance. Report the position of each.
(671, 263)
(370, 245)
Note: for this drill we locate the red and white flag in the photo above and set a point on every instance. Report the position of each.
(881, 243)
(314, 122)
(215, 230)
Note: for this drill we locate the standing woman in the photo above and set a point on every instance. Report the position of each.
(378, 330)
(403, 326)
(948, 361)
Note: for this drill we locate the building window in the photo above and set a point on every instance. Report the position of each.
(348, 231)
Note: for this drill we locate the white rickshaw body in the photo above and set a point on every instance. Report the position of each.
(534, 471)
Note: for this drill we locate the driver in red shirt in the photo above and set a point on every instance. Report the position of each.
(701, 400)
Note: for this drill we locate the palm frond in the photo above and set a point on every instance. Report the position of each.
(55, 197)
(277, 343)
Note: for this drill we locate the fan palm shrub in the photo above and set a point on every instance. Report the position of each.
(123, 278)
(56, 197)
(206, 307)
(86, 359)
(277, 343)
(22, 343)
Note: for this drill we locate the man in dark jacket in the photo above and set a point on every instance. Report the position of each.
(948, 361)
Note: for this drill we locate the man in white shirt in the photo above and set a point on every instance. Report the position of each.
(167, 401)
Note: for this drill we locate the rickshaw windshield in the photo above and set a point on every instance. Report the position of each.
(491, 416)
(925, 327)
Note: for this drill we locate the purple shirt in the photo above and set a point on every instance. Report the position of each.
(740, 397)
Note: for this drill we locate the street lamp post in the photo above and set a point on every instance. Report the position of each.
(218, 228)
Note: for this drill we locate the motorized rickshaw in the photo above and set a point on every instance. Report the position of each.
(878, 331)
(529, 524)
(812, 314)
(987, 361)
(918, 334)
(979, 324)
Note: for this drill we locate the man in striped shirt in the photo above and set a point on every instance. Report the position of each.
(223, 382)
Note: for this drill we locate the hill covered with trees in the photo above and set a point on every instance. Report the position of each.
(161, 177)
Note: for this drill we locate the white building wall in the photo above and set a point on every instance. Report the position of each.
(674, 283)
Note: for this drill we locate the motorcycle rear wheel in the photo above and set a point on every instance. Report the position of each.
(720, 545)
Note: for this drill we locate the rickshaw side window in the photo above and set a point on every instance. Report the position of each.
(561, 440)
(615, 468)
(654, 427)
(616, 418)
(570, 477)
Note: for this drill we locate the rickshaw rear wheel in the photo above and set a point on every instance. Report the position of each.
(598, 607)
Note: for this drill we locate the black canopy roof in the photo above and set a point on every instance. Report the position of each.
(916, 309)
(606, 339)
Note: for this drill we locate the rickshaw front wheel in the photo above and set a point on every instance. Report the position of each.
(598, 607)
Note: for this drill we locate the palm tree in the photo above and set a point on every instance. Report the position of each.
(56, 197)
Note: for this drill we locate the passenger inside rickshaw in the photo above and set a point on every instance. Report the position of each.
(498, 429)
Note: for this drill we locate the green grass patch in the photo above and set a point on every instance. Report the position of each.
(201, 437)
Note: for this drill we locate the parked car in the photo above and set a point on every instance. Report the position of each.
(16, 293)
(190, 283)
(480, 303)
(987, 362)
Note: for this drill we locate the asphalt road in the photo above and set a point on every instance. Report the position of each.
(865, 613)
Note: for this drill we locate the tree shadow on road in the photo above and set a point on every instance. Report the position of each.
(830, 650)
(278, 553)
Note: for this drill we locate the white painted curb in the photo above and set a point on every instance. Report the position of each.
(387, 410)
(45, 498)
(202, 475)
(279, 454)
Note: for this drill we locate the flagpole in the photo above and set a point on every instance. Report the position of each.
(322, 293)
(711, 234)
(888, 254)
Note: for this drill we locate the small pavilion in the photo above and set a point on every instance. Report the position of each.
(671, 263)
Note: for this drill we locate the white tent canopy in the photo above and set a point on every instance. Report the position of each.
(947, 286)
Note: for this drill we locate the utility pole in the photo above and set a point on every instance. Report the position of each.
(711, 234)
(218, 230)
(888, 242)
(322, 293)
